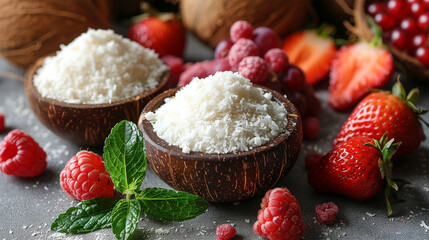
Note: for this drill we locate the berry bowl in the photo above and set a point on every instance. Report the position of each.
(85, 124)
(223, 177)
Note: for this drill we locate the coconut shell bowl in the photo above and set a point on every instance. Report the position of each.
(85, 124)
(223, 177)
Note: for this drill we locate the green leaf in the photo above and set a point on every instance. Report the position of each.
(399, 90)
(170, 205)
(125, 217)
(124, 157)
(86, 216)
(413, 96)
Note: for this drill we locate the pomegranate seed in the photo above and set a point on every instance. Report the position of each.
(409, 25)
(375, 8)
(422, 54)
(416, 9)
(397, 8)
(399, 39)
(423, 21)
(384, 20)
(418, 40)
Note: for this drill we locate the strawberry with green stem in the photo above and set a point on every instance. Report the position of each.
(125, 161)
(358, 67)
(312, 51)
(392, 112)
(358, 168)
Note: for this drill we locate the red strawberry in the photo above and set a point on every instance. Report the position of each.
(356, 68)
(164, 34)
(382, 112)
(356, 169)
(312, 51)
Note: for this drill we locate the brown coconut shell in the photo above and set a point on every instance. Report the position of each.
(210, 20)
(30, 29)
(404, 63)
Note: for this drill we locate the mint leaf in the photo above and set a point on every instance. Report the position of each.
(124, 157)
(170, 205)
(86, 216)
(125, 217)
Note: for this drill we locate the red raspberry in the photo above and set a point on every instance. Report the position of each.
(254, 68)
(176, 68)
(225, 232)
(84, 177)
(241, 29)
(277, 59)
(1, 122)
(280, 216)
(241, 49)
(326, 213)
(311, 127)
(312, 159)
(21, 156)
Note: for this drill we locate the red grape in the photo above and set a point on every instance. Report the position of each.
(422, 54)
(294, 79)
(311, 127)
(266, 39)
(299, 101)
(222, 48)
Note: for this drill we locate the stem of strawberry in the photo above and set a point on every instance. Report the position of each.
(387, 148)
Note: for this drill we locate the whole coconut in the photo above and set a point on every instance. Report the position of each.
(210, 20)
(30, 29)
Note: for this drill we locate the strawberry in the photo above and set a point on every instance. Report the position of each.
(163, 33)
(356, 68)
(312, 51)
(382, 112)
(356, 169)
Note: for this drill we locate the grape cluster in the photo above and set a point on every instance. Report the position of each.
(405, 25)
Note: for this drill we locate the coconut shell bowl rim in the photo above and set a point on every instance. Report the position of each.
(147, 129)
(29, 76)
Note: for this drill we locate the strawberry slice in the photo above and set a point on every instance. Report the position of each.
(356, 68)
(312, 51)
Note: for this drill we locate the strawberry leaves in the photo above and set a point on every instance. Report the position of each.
(125, 160)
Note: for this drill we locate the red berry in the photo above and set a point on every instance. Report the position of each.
(21, 156)
(277, 59)
(241, 49)
(313, 105)
(422, 54)
(266, 39)
(375, 8)
(241, 29)
(426, 3)
(409, 25)
(2, 124)
(225, 232)
(397, 8)
(84, 177)
(254, 68)
(280, 216)
(312, 159)
(294, 79)
(326, 213)
(423, 22)
(384, 20)
(299, 101)
(399, 39)
(416, 9)
(222, 48)
(311, 127)
(418, 40)
(176, 68)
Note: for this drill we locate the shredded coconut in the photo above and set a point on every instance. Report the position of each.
(99, 66)
(222, 113)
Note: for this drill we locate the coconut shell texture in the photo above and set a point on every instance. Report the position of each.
(210, 20)
(30, 29)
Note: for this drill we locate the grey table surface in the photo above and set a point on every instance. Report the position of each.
(28, 206)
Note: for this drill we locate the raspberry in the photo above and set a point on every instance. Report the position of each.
(311, 127)
(254, 68)
(21, 156)
(326, 213)
(280, 216)
(1, 122)
(241, 49)
(195, 70)
(241, 29)
(176, 68)
(312, 159)
(84, 177)
(225, 232)
(277, 59)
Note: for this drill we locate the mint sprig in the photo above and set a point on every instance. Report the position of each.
(86, 216)
(125, 160)
(170, 205)
(124, 157)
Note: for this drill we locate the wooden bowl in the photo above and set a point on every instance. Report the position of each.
(85, 124)
(223, 177)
